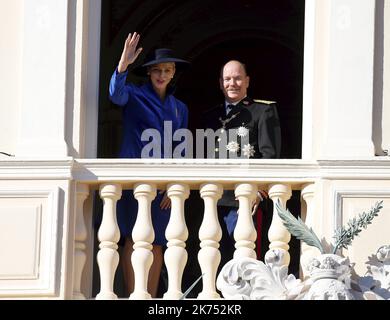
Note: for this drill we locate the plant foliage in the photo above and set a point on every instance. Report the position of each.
(344, 236)
(298, 228)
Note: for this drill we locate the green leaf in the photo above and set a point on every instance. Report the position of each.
(355, 226)
(298, 228)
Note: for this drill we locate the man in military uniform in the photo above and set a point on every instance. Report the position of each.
(255, 118)
(257, 129)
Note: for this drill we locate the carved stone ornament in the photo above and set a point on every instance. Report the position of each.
(249, 279)
(330, 278)
(375, 285)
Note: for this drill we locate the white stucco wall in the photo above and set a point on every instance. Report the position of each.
(52, 53)
(349, 80)
(386, 80)
(338, 82)
(10, 75)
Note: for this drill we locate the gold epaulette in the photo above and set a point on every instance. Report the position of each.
(264, 101)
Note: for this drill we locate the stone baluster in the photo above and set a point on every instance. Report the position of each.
(245, 232)
(143, 236)
(108, 235)
(80, 236)
(210, 233)
(278, 235)
(176, 233)
(308, 252)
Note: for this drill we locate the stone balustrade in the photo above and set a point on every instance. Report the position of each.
(63, 197)
(176, 255)
(278, 177)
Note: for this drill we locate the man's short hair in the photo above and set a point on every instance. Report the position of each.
(241, 63)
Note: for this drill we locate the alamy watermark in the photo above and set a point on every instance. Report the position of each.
(207, 143)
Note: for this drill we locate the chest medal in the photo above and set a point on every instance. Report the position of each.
(233, 147)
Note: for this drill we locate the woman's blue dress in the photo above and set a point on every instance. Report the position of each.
(143, 109)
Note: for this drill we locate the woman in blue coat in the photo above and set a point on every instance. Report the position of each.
(145, 107)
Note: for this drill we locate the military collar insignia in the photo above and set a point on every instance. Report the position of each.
(246, 102)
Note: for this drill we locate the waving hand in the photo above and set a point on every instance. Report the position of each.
(130, 52)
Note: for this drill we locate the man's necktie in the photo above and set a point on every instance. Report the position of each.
(230, 108)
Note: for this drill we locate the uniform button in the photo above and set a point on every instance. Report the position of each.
(216, 149)
(222, 130)
(219, 139)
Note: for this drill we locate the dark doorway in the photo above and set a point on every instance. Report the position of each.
(268, 36)
(274, 76)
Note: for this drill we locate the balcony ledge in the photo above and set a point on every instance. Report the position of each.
(194, 171)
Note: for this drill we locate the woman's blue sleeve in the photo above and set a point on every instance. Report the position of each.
(184, 122)
(119, 90)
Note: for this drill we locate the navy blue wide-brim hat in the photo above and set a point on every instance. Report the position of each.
(161, 55)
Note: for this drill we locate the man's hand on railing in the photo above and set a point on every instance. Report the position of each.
(165, 202)
(261, 195)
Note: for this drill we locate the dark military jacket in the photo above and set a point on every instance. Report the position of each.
(263, 129)
(261, 121)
